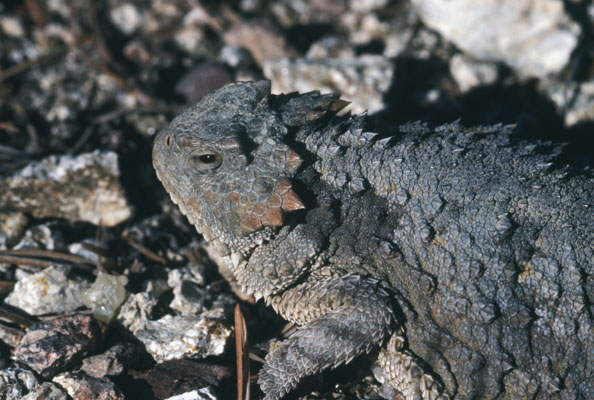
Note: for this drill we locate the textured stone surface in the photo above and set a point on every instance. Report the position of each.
(48, 291)
(83, 387)
(535, 37)
(46, 391)
(106, 295)
(56, 343)
(174, 337)
(136, 311)
(115, 361)
(468, 249)
(16, 383)
(188, 297)
(82, 188)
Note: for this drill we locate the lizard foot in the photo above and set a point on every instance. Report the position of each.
(342, 317)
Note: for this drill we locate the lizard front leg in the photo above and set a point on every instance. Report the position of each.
(341, 317)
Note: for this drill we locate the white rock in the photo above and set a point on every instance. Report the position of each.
(175, 337)
(574, 99)
(126, 18)
(48, 291)
(12, 26)
(470, 73)
(535, 37)
(200, 394)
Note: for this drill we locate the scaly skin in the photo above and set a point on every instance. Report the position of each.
(464, 255)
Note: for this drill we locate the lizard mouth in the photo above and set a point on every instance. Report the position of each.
(191, 214)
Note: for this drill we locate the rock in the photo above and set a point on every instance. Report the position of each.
(46, 391)
(78, 250)
(116, 360)
(12, 26)
(82, 188)
(16, 382)
(83, 387)
(263, 43)
(188, 296)
(574, 99)
(200, 394)
(53, 345)
(46, 236)
(126, 18)
(535, 37)
(48, 291)
(174, 337)
(202, 79)
(106, 295)
(469, 73)
(367, 6)
(136, 311)
(362, 80)
(177, 377)
(12, 225)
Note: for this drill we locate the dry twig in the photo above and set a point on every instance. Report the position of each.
(241, 356)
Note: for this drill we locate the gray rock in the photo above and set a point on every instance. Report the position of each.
(188, 296)
(535, 37)
(82, 188)
(48, 291)
(16, 382)
(174, 337)
(136, 311)
(361, 80)
(46, 391)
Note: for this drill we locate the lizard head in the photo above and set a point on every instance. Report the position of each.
(224, 163)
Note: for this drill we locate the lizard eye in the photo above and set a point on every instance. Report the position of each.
(207, 160)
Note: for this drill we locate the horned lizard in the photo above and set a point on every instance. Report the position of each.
(464, 255)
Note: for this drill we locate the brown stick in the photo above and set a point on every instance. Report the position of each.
(145, 251)
(241, 356)
(56, 255)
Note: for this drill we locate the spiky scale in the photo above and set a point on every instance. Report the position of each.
(483, 243)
